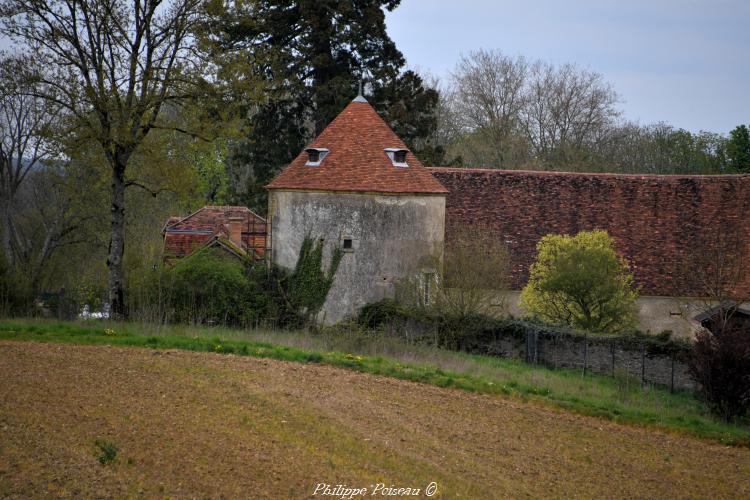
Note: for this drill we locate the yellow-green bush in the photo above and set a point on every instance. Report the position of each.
(582, 282)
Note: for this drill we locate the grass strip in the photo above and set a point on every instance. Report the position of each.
(687, 416)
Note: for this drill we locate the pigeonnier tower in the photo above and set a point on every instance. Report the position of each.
(359, 187)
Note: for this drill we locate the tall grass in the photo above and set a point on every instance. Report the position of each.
(619, 398)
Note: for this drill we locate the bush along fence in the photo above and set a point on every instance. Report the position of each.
(653, 359)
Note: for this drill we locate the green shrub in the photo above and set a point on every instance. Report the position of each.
(479, 333)
(384, 312)
(213, 287)
(209, 287)
(582, 282)
(452, 331)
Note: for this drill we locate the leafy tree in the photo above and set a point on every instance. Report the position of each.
(276, 135)
(580, 281)
(409, 106)
(738, 149)
(115, 67)
(326, 43)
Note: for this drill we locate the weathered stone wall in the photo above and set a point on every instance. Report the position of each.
(394, 236)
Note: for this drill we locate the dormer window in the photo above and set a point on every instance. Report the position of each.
(315, 156)
(397, 156)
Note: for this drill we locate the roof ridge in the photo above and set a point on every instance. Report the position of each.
(587, 174)
(180, 220)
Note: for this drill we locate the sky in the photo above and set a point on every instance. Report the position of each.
(685, 62)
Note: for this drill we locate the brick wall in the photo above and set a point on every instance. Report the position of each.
(659, 223)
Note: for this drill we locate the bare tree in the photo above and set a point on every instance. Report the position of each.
(488, 88)
(716, 268)
(26, 130)
(472, 276)
(515, 113)
(113, 65)
(476, 273)
(51, 218)
(567, 108)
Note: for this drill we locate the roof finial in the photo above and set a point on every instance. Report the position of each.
(360, 96)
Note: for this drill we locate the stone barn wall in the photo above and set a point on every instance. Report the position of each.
(393, 237)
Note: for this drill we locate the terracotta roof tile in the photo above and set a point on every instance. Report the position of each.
(659, 222)
(357, 161)
(183, 235)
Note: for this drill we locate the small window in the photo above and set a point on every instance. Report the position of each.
(315, 156)
(348, 244)
(397, 156)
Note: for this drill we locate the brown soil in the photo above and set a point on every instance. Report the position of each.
(205, 425)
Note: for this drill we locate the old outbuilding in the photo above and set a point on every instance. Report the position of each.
(237, 230)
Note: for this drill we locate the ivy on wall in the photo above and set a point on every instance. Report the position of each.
(309, 284)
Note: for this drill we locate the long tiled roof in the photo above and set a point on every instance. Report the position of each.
(357, 160)
(662, 224)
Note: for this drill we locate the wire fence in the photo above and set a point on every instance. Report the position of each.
(592, 354)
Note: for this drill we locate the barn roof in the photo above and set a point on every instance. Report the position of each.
(356, 142)
(664, 225)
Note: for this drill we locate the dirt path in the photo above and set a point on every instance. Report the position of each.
(198, 425)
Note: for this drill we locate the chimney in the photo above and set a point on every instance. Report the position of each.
(235, 229)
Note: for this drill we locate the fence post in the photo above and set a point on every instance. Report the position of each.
(643, 364)
(585, 352)
(531, 350)
(554, 350)
(612, 348)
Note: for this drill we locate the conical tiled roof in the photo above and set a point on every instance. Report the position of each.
(357, 161)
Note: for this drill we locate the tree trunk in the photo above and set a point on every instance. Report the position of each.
(117, 238)
(7, 230)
